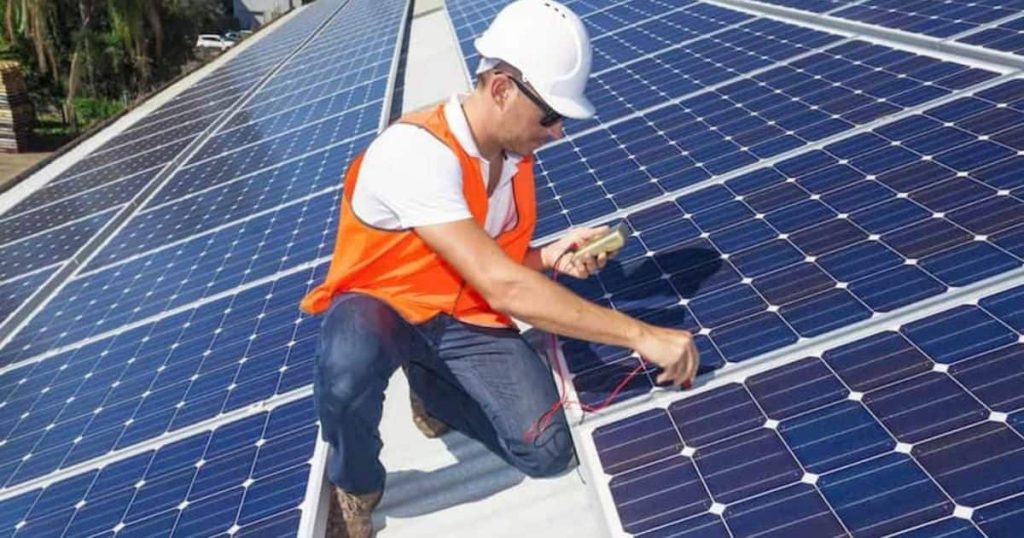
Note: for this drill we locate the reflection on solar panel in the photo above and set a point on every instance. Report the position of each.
(164, 388)
(818, 208)
(91, 197)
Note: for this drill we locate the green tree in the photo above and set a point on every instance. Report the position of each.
(103, 49)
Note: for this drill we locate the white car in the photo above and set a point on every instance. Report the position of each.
(213, 41)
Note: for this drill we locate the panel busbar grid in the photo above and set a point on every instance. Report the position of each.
(43, 231)
(917, 428)
(113, 173)
(738, 124)
(869, 224)
(159, 377)
(279, 199)
(246, 477)
(992, 24)
(194, 326)
(913, 194)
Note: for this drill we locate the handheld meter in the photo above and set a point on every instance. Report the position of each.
(610, 242)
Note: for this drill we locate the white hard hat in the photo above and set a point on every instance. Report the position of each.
(549, 45)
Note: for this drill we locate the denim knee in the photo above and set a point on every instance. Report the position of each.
(356, 352)
(540, 461)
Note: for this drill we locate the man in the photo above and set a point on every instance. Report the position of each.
(433, 258)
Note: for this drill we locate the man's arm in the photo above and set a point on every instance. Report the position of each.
(520, 292)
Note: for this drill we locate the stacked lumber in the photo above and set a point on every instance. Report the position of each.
(15, 109)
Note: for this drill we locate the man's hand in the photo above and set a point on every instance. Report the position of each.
(553, 256)
(672, 350)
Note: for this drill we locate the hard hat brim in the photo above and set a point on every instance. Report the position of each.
(577, 108)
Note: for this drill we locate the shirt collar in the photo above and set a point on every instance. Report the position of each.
(459, 126)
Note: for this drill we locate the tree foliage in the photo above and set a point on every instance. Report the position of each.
(100, 50)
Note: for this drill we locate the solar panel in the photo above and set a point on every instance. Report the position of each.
(738, 124)
(901, 429)
(1006, 37)
(286, 149)
(992, 24)
(14, 292)
(826, 239)
(787, 187)
(245, 478)
(162, 376)
(938, 19)
(165, 388)
(161, 135)
(91, 196)
(784, 195)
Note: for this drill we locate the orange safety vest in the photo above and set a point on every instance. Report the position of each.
(399, 268)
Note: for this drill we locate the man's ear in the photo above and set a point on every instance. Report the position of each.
(499, 89)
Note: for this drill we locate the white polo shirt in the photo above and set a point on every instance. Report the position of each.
(409, 178)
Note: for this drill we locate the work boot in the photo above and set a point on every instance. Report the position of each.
(349, 515)
(430, 426)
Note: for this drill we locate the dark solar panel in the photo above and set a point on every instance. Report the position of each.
(785, 186)
(137, 397)
(891, 432)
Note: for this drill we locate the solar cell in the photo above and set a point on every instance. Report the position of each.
(1006, 37)
(109, 372)
(140, 383)
(873, 437)
(868, 224)
(88, 197)
(992, 24)
(242, 477)
(15, 291)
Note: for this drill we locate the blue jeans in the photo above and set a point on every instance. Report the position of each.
(487, 383)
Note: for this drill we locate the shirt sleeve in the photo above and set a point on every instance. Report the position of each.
(409, 178)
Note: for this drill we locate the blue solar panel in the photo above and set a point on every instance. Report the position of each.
(817, 213)
(73, 208)
(188, 315)
(821, 241)
(737, 124)
(88, 196)
(196, 269)
(935, 18)
(817, 6)
(785, 247)
(1006, 37)
(66, 191)
(162, 376)
(308, 179)
(877, 436)
(15, 291)
(289, 174)
(246, 477)
(49, 247)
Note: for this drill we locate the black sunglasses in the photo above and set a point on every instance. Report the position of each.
(550, 116)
